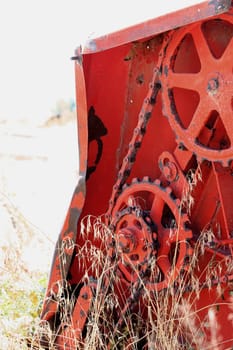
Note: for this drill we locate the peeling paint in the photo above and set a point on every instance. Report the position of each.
(220, 6)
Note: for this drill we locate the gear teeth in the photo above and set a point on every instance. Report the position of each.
(146, 179)
(168, 190)
(226, 162)
(125, 186)
(135, 180)
(181, 224)
(157, 182)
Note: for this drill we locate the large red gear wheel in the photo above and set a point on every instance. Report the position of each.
(197, 87)
(171, 251)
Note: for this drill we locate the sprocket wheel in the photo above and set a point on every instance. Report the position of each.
(148, 212)
(197, 87)
(134, 241)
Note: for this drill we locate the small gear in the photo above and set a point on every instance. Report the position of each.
(150, 233)
(135, 240)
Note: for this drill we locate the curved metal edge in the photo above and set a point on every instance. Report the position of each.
(157, 25)
(63, 252)
(65, 245)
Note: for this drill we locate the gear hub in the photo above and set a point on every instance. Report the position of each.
(134, 241)
(150, 234)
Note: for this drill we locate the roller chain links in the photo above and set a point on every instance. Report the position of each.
(135, 142)
(149, 253)
(123, 213)
(137, 272)
(136, 261)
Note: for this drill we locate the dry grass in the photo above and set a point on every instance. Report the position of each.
(21, 289)
(172, 321)
(116, 319)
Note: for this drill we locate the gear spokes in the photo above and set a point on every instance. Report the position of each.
(197, 83)
(152, 234)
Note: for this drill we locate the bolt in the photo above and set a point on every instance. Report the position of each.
(167, 171)
(85, 296)
(213, 85)
(170, 171)
(82, 314)
(127, 240)
(124, 244)
(182, 146)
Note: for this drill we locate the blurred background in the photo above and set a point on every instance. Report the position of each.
(38, 147)
(39, 37)
(38, 141)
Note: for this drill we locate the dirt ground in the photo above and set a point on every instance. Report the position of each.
(38, 173)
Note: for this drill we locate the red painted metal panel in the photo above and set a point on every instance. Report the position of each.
(152, 215)
(157, 25)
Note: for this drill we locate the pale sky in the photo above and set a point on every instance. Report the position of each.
(38, 38)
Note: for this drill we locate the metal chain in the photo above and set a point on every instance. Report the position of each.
(124, 173)
(136, 140)
(127, 164)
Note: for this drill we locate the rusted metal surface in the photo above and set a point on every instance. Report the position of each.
(204, 9)
(207, 79)
(152, 215)
(66, 241)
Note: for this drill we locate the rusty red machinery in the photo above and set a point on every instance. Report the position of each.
(145, 256)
